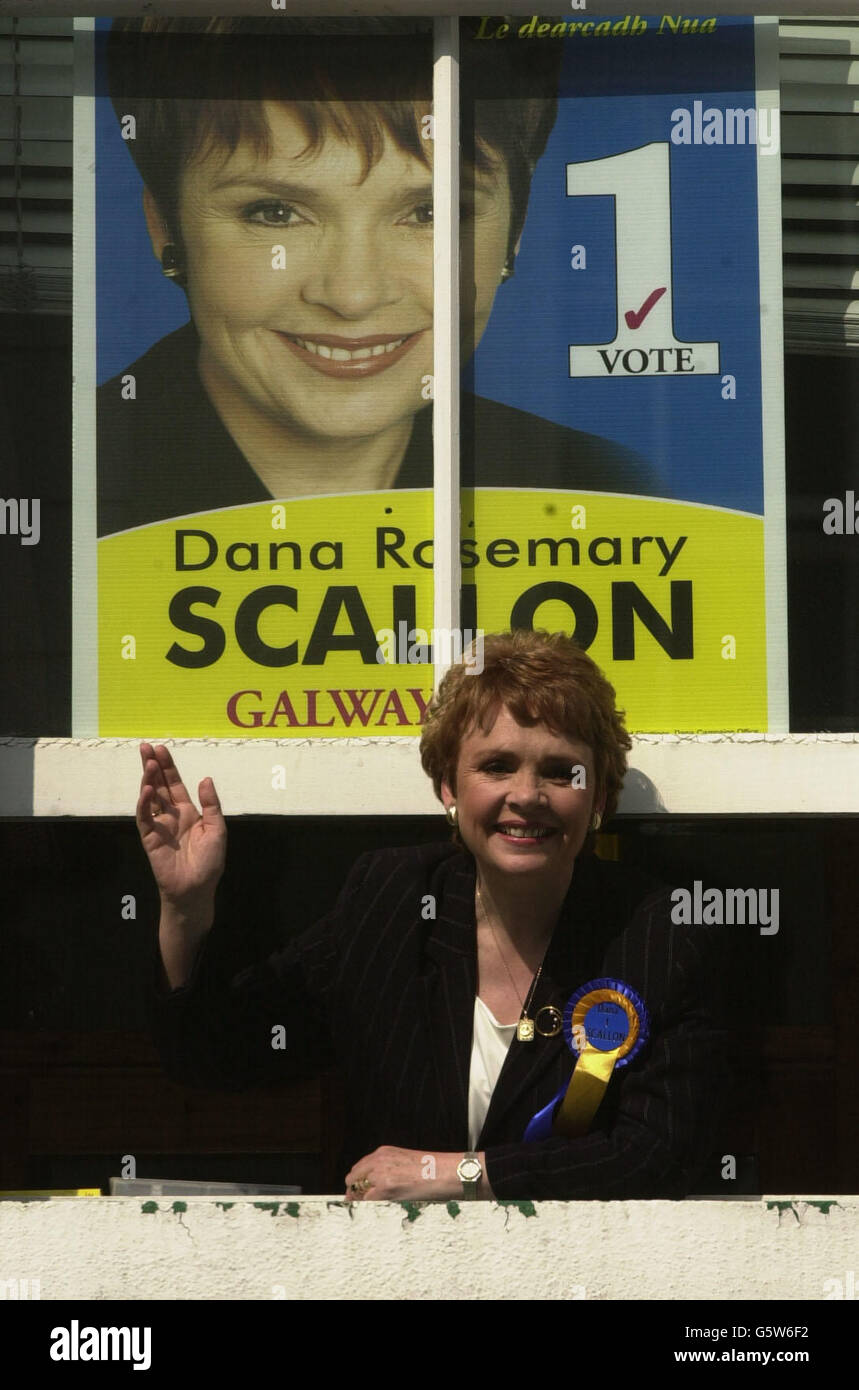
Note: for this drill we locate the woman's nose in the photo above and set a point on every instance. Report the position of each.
(353, 277)
(527, 789)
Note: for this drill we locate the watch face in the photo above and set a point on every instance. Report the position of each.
(469, 1170)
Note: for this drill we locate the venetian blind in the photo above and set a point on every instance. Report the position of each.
(819, 70)
(36, 165)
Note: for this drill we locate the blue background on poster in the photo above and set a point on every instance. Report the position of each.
(705, 449)
(136, 305)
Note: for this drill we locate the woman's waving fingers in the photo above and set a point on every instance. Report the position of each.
(157, 812)
(161, 774)
(186, 847)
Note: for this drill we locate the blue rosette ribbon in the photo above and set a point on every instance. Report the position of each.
(605, 1025)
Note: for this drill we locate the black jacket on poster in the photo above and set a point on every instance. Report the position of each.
(388, 996)
(166, 453)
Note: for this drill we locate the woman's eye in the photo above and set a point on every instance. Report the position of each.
(271, 214)
(422, 215)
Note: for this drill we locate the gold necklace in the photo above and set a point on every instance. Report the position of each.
(526, 1026)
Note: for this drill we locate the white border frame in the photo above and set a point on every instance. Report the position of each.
(84, 490)
(445, 424)
(771, 317)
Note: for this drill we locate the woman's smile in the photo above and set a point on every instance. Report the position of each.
(526, 835)
(350, 357)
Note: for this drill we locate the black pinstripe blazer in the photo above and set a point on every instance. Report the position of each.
(386, 989)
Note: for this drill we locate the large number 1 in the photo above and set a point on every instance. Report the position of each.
(644, 343)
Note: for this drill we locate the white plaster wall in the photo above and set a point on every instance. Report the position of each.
(318, 1248)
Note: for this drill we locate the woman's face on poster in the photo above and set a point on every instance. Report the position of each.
(311, 284)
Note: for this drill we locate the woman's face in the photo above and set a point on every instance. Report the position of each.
(332, 336)
(514, 780)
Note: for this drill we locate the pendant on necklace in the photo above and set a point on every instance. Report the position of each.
(525, 1029)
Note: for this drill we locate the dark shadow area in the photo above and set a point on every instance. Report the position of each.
(35, 579)
(81, 1082)
(821, 430)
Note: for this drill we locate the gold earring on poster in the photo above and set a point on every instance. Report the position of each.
(509, 268)
(171, 264)
(597, 821)
(450, 815)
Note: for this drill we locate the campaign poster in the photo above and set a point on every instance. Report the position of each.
(254, 399)
(635, 356)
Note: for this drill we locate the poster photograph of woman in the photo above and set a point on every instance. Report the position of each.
(285, 178)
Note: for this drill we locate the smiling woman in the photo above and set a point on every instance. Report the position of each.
(450, 983)
(288, 191)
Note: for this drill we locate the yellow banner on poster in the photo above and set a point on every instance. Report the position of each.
(313, 618)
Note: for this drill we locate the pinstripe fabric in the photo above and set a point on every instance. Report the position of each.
(390, 996)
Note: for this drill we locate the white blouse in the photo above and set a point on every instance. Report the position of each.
(490, 1042)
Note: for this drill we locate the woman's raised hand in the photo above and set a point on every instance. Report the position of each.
(186, 849)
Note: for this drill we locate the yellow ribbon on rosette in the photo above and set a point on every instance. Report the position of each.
(605, 1025)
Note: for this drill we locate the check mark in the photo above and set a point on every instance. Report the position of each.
(635, 317)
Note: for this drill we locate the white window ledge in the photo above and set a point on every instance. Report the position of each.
(678, 774)
(316, 1248)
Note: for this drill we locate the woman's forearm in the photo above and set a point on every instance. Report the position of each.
(181, 932)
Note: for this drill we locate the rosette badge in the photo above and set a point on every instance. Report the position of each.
(605, 1026)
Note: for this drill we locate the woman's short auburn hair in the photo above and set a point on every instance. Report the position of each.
(195, 84)
(542, 678)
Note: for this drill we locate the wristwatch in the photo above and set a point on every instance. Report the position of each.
(469, 1171)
